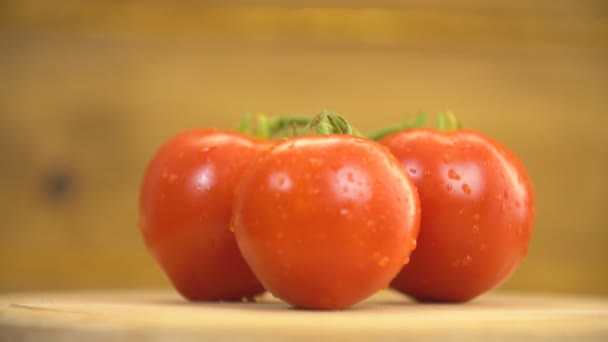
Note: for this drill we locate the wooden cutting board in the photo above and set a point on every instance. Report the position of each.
(163, 316)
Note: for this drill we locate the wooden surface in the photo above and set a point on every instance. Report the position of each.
(162, 315)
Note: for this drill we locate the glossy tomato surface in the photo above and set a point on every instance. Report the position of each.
(326, 221)
(477, 213)
(185, 209)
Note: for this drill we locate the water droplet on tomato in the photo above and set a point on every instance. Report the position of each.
(405, 260)
(476, 217)
(466, 189)
(427, 172)
(453, 175)
(482, 247)
(460, 212)
(344, 211)
(449, 187)
(382, 262)
(475, 229)
(413, 171)
(467, 260)
(172, 178)
(413, 244)
(446, 158)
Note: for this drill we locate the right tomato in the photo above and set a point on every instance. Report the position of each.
(477, 213)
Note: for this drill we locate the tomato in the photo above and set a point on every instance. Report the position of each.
(185, 209)
(325, 221)
(477, 213)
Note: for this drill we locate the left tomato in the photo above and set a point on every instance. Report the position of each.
(185, 208)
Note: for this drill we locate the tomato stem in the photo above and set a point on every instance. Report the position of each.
(328, 122)
(245, 124)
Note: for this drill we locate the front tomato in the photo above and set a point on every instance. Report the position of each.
(326, 221)
(185, 208)
(477, 213)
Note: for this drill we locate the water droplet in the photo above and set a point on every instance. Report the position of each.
(475, 229)
(405, 260)
(207, 148)
(506, 194)
(466, 189)
(427, 172)
(456, 263)
(482, 247)
(413, 171)
(413, 244)
(382, 262)
(172, 178)
(467, 260)
(453, 175)
(281, 181)
(503, 206)
(460, 212)
(344, 211)
(476, 217)
(449, 187)
(446, 158)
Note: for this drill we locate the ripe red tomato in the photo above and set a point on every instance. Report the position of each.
(185, 209)
(477, 213)
(326, 221)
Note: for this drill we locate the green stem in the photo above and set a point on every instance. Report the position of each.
(328, 122)
(442, 122)
(262, 129)
(245, 124)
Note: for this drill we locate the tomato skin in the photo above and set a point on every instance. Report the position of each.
(326, 221)
(477, 207)
(185, 208)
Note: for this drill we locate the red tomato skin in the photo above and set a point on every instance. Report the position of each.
(477, 207)
(326, 221)
(185, 208)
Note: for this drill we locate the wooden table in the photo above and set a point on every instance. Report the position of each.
(161, 315)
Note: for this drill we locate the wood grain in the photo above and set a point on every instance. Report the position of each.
(161, 315)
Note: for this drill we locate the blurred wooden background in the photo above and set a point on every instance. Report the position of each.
(89, 89)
